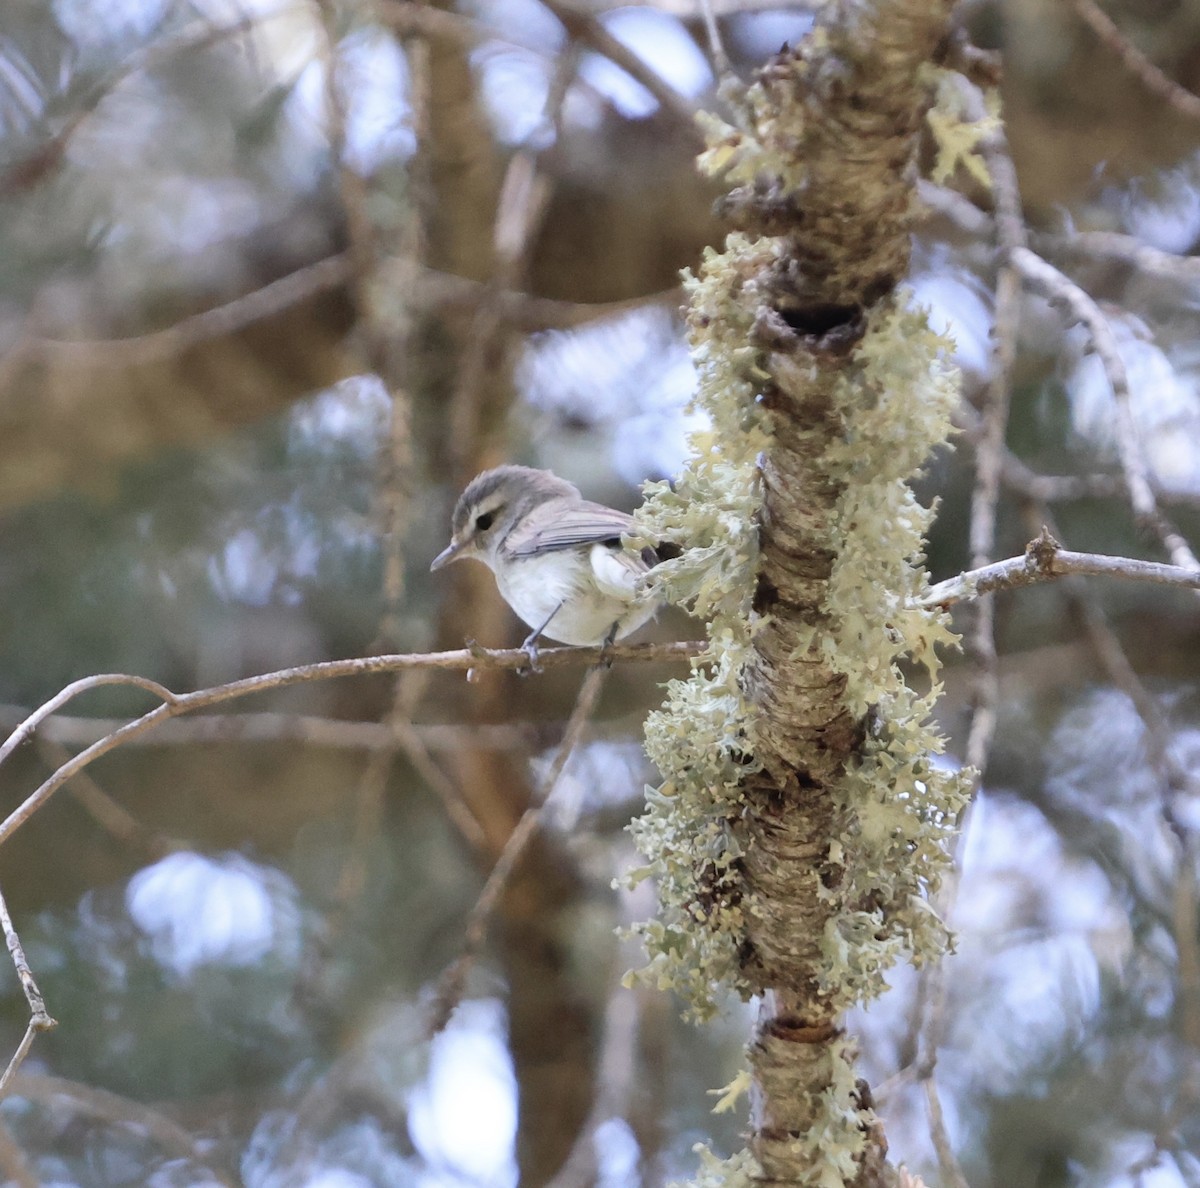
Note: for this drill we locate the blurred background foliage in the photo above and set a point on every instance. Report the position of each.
(275, 280)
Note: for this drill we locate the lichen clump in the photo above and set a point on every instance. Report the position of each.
(701, 740)
(894, 400)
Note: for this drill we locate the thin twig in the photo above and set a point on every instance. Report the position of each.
(1146, 72)
(474, 659)
(335, 733)
(37, 164)
(990, 447)
(1059, 288)
(948, 1165)
(1122, 249)
(990, 454)
(17, 1059)
(117, 1110)
(115, 819)
(450, 989)
(1111, 246)
(716, 47)
(39, 1017)
(447, 791)
(581, 25)
(1044, 560)
(218, 322)
(69, 693)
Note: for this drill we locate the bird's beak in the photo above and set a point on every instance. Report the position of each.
(450, 553)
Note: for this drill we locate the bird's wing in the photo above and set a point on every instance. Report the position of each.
(617, 571)
(552, 526)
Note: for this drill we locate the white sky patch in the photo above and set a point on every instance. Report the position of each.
(604, 772)
(515, 68)
(109, 23)
(631, 373)
(374, 80)
(201, 911)
(1164, 402)
(1097, 767)
(957, 309)
(525, 22)
(617, 1154)
(760, 34)
(337, 1178)
(663, 44)
(464, 1116)
(354, 411)
(245, 570)
(515, 83)
(1165, 211)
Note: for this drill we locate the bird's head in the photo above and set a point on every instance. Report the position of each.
(493, 503)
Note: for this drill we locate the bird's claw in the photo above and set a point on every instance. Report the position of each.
(606, 656)
(530, 648)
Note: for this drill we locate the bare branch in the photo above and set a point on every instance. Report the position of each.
(69, 693)
(335, 733)
(18, 1058)
(1059, 288)
(1092, 245)
(1124, 249)
(1150, 76)
(948, 1165)
(990, 446)
(1043, 561)
(583, 26)
(469, 659)
(716, 47)
(217, 322)
(119, 1111)
(39, 1017)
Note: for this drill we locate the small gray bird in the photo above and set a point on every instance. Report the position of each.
(559, 559)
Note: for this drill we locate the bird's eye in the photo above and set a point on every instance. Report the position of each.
(484, 522)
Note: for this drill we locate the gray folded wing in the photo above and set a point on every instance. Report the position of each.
(554, 527)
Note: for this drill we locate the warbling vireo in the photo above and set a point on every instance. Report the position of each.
(559, 559)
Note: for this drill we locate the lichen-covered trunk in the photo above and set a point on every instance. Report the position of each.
(821, 816)
(844, 253)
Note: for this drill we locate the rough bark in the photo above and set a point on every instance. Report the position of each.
(842, 247)
(823, 822)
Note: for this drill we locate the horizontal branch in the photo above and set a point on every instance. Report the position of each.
(471, 659)
(347, 734)
(1043, 561)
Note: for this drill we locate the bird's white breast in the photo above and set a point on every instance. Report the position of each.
(586, 591)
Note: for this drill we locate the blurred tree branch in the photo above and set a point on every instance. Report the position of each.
(1045, 559)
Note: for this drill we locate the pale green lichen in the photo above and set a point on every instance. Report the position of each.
(737, 1171)
(701, 740)
(958, 136)
(893, 397)
(831, 1150)
(896, 402)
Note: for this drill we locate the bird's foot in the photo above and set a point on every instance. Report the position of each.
(530, 648)
(606, 658)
